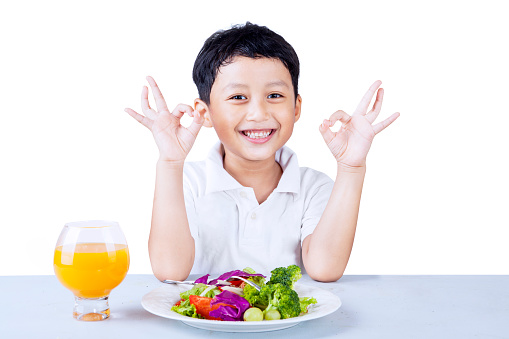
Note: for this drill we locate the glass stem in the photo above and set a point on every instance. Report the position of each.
(91, 309)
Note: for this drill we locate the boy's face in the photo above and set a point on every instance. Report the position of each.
(252, 107)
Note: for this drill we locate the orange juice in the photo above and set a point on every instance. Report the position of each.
(91, 270)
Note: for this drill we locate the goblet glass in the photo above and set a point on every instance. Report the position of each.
(91, 258)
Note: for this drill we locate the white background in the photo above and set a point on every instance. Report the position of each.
(436, 187)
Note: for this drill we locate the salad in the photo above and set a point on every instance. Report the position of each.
(234, 300)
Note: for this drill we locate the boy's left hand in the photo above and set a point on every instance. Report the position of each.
(350, 145)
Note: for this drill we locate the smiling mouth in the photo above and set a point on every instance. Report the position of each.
(258, 134)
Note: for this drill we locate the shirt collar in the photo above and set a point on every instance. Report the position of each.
(218, 179)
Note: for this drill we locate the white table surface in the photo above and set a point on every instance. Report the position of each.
(372, 307)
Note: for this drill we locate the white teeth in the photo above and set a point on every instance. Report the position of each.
(257, 135)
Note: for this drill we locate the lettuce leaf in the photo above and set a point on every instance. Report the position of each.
(196, 290)
(305, 302)
(185, 308)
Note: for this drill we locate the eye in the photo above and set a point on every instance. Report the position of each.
(274, 96)
(238, 97)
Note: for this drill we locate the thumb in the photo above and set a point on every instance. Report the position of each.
(197, 123)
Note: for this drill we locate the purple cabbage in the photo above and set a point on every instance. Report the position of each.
(202, 280)
(239, 273)
(228, 313)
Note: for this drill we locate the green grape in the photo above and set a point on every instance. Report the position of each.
(253, 314)
(272, 315)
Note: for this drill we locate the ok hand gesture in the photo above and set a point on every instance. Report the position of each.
(173, 140)
(350, 145)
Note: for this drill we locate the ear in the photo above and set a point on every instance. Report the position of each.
(298, 104)
(203, 109)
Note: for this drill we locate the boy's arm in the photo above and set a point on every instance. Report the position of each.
(171, 246)
(326, 251)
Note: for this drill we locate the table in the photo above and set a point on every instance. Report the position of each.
(373, 306)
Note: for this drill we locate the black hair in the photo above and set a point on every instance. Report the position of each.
(247, 40)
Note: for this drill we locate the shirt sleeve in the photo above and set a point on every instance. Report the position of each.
(315, 205)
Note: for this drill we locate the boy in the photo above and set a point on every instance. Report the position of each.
(249, 203)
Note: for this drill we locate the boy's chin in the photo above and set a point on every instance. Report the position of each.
(254, 152)
(257, 152)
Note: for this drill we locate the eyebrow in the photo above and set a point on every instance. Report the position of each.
(234, 85)
(275, 83)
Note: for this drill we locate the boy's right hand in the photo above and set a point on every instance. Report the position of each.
(173, 140)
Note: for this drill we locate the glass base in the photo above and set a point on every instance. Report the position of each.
(91, 309)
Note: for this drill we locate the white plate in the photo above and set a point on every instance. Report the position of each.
(160, 300)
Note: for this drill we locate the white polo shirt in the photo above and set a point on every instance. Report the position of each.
(232, 231)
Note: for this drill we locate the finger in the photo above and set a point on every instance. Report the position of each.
(324, 128)
(158, 96)
(196, 125)
(182, 109)
(377, 106)
(339, 116)
(145, 106)
(140, 118)
(384, 124)
(326, 132)
(363, 105)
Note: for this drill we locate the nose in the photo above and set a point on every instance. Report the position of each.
(258, 110)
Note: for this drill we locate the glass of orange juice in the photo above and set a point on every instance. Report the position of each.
(91, 258)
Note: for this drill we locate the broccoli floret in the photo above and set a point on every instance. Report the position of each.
(264, 296)
(280, 276)
(277, 293)
(287, 276)
(257, 298)
(295, 273)
(260, 298)
(287, 301)
(282, 298)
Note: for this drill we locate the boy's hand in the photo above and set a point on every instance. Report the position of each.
(350, 145)
(173, 140)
